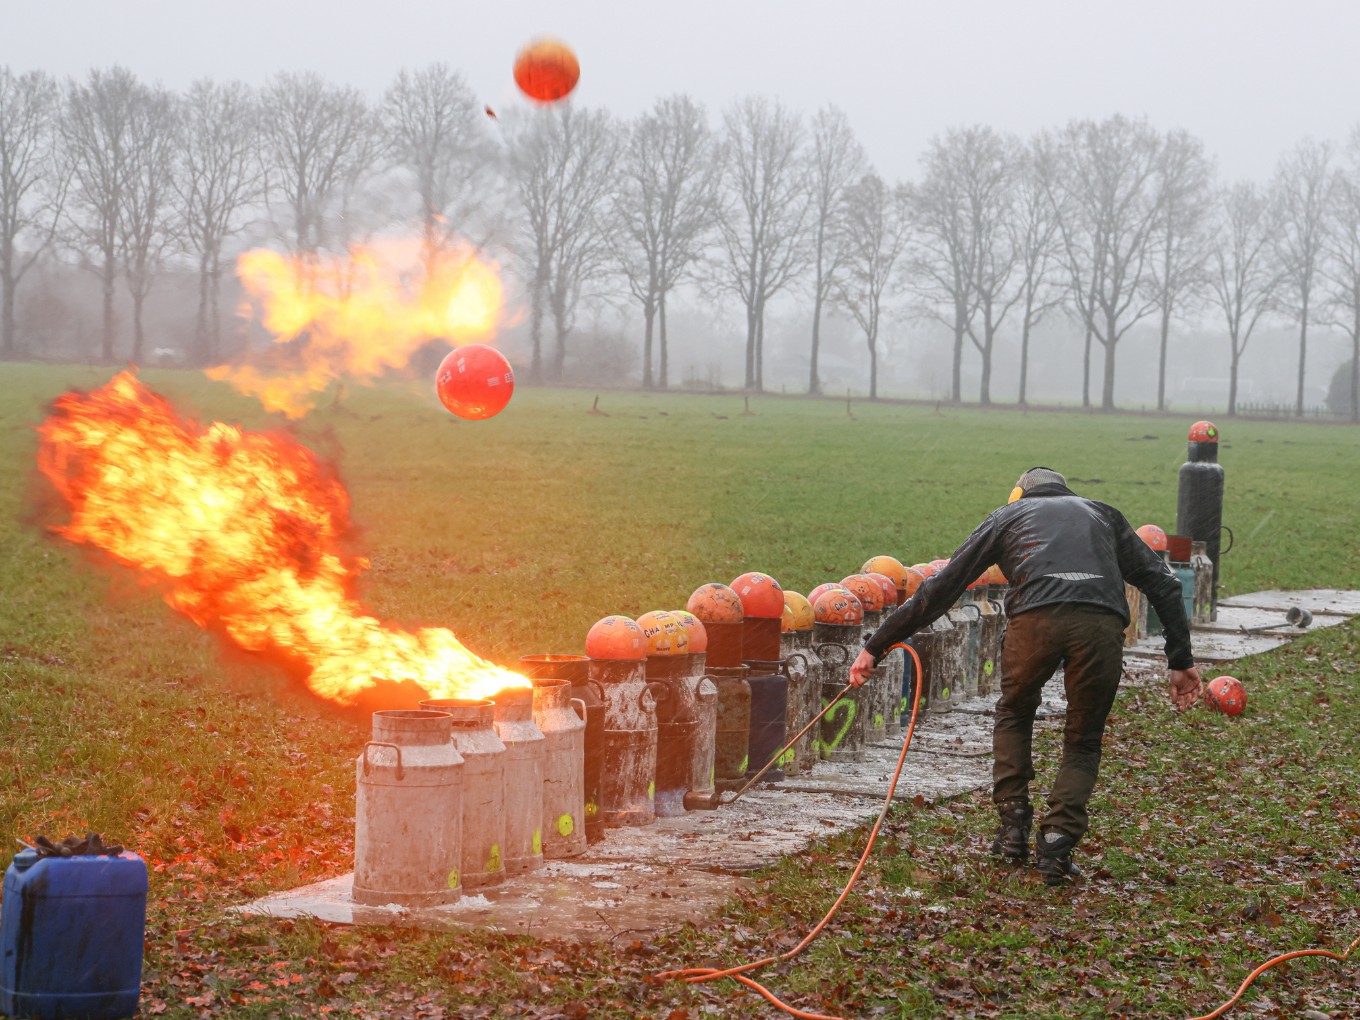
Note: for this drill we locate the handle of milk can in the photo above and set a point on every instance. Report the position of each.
(842, 652)
(597, 687)
(580, 707)
(974, 608)
(1224, 527)
(651, 689)
(401, 772)
(802, 658)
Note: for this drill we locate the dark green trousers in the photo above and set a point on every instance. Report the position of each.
(1088, 643)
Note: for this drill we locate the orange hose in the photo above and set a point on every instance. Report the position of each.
(695, 975)
(1339, 957)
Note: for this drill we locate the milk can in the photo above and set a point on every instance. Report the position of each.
(769, 715)
(795, 710)
(576, 668)
(843, 730)
(989, 644)
(677, 722)
(876, 687)
(807, 747)
(941, 652)
(841, 736)
(703, 764)
(483, 837)
(562, 720)
(732, 734)
(514, 721)
(971, 614)
(628, 769)
(408, 817)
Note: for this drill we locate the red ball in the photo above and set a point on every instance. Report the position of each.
(616, 637)
(1203, 432)
(822, 589)
(546, 70)
(715, 603)
(1154, 536)
(839, 607)
(761, 596)
(1226, 694)
(475, 381)
(888, 585)
(866, 589)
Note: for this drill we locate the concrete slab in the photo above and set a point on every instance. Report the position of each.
(1330, 601)
(1210, 646)
(570, 900)
(1234, 619)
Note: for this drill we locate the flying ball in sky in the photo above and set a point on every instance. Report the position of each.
(546, 70)
(474, 382)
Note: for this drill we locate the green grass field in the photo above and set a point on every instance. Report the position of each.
(1227, 841)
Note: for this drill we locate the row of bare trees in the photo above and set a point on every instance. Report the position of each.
(1111, 223)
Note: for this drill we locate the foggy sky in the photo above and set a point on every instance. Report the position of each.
(1251, 84)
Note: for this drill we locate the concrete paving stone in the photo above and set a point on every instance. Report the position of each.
(1330, 601)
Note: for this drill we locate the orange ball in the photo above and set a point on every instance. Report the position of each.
(915, 578)
(889, 566)
(800, 609)
(698, 637)
(822, 589)
(924, 569)
(547, 70)
(994, 575)
(665, 634)
(715, 603)
(1226, 694)
(761, 596)
(616, 637)
(888, 585)
(939, 564)
(1154, 536)
(474, 381)
(840, 607)
(865, 589)
(1203, 432)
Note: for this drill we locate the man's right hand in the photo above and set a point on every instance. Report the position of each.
(1186, 687)
(861, 668)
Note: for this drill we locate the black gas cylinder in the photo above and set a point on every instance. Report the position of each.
(1199, 500)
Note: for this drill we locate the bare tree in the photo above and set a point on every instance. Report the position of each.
(1341, 269)
(664, 209)
(1300, 191)
(943, 267)
(318, 139)
(32, 183)
(437, 133)
(563, 161)
(220, 180)
(145, 230)
(1033, 229)
(877, 224)
(96, 129)
(837, 165)
(1108, 203)
(1242, 272)
(991, 199)
(765, 215)
(1185, 176)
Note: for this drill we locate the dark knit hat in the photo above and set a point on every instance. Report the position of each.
(1037, 476)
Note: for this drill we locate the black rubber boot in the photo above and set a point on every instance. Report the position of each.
(1012, 835)
(1053, 858)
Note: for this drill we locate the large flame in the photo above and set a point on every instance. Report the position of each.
(245, 533)
(358, 316)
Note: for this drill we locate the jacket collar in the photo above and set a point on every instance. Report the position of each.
(1048, 489)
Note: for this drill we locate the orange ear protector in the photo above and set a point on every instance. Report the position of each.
(1016, 493)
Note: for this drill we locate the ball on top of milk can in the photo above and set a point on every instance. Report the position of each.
(616, 637)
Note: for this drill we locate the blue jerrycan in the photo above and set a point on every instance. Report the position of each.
(71, 935)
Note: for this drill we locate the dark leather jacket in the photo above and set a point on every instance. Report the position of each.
(1054, 547)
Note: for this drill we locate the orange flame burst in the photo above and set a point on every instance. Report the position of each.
(245, 532)
(358, 316)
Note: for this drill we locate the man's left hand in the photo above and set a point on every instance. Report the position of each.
(861, 668)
